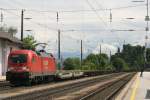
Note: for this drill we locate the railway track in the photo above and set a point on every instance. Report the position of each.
(4, 85)
(50, 93)
(108, 91)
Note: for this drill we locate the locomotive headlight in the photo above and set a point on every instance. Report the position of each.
(10, 68)
(25, 68)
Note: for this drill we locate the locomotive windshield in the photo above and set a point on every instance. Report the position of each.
(18, 58)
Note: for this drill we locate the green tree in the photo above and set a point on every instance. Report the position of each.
(119, 64)
(88, 66)
(148, 54)
(97, 61)
(12, 30)
(71, 63)
(92, 58)
(132, 55)
(29, 43)
(103, 61)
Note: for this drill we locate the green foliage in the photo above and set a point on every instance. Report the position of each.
(129, 58)
(12, 30)
(91, 58)
(89, 66)
(71, 64)
(148, 54)
(119, 64)
(133, 56)
(96, 61)
(110, 67)
(29, 43)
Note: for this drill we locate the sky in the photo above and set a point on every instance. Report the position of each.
(87, 20)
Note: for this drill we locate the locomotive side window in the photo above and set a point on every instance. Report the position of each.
(33, 59)
(18, 58)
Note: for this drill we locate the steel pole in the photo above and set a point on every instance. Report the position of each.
(22, 17)
(81, 54)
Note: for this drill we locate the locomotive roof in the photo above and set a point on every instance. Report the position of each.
(23, 52)
(30, 52)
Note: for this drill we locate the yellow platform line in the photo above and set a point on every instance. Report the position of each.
(137, 82)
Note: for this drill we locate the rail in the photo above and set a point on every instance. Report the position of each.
(108, 91)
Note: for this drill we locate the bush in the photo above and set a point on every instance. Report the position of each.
(89, 66)
(71, 64)
(97, 61)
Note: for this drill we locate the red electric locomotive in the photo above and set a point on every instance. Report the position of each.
(26, 66)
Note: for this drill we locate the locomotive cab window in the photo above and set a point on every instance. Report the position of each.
(18, 58)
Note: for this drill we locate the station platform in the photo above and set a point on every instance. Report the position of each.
(2, 78)
(137, 89)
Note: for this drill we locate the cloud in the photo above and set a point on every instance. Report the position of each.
(75, 26)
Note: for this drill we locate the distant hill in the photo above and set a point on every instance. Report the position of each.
(65, 55)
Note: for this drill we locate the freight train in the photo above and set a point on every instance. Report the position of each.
(27, 66)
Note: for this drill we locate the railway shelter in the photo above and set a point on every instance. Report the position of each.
(137, 89)
(7, 44)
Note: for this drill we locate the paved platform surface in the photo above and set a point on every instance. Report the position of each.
(139, 89)
(2, 78)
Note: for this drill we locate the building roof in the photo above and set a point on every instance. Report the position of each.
(9, 37)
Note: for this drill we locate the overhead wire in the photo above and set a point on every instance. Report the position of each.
(99, 5)
(37, 23)
(93, 9)
(55, 29)
(100, 17)
(73, 11)
(105, 9)
(97, 14)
